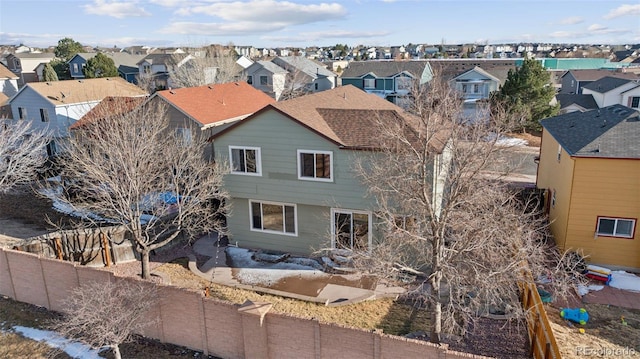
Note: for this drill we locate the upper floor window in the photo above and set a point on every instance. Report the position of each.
(245, 160)
(44, 115)
(315, 165)
(559, 152)
(146, 69)
(403, 83)
(369, 83)
(250, 80)
(22, 113)
(264, 80)
(75, 68)
(635, 102)
(616, 227)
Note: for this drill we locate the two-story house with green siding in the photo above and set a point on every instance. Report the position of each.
(391, 80)
(292, 181)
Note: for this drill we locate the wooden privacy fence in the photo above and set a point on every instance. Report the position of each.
(543, 343)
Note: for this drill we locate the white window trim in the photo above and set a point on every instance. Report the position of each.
(283, 233)
(615, 226)
(314, 178)
(351, 212)
(369, 80)
(258, 161)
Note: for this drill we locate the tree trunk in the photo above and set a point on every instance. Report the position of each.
(116, 351)
(146, 273)
(436, 315)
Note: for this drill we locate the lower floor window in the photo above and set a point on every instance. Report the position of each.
(616, 227)
(273, 217)
(350, 229)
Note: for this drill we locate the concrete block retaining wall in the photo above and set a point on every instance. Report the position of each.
(218, 328)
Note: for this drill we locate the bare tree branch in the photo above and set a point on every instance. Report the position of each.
(22, 153)
(217, 66)
(106, 314)
(132, 169)
(446, 212)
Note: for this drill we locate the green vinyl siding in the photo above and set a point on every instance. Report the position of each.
(279, 138)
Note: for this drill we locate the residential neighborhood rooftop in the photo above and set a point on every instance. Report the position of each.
(86, 90)
(610, 132)
(585, 101)
(215, 103)
(109, 106)
(606, 84)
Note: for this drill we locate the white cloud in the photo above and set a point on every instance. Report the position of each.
(572, 20)
(260, 11)
(561, 34)
(623, 10)
(119, 10)
(229, 29)
(252, 17)
(596, 27)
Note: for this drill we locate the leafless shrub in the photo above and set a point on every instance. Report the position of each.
(106, 314)
(22, 153)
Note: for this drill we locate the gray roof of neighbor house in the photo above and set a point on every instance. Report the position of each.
(482, 72)
(610, 132)
(120, 59)
(606, 84)
(270, 66)
(593, 75)
(165, 59)
(309, 67)
(384, 68)
(448, 69)
(585, 101)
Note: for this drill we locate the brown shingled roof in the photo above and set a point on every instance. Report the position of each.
(110, 106)
(216, 103)
(86, 90)
(343, 115)
(5, 73)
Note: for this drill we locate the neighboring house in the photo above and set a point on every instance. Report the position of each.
(631, 97)
(157, 68)
(609, 91)
(204, 110)
(24, 65)
(54, 106)
(391, 80)
(8, 87)
(590, 169)
(576, 102)
(267, 77)
(292, 181)
(573, 81)
(124, 62)
(475, 84)
(308, 74)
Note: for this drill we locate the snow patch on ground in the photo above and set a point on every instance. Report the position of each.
(625, 280)
(252, 272)
(54, 340)
(585, 289)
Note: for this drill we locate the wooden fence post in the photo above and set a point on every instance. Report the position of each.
(105, 249)
(58, 244)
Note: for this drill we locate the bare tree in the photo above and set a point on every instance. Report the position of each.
(106, 314)
(218, 65)
(448, 216)
(132, 169)
(22, 152)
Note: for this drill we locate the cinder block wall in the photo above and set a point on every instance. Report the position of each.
(215, 327)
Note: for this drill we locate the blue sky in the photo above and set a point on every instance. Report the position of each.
(276, 23)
